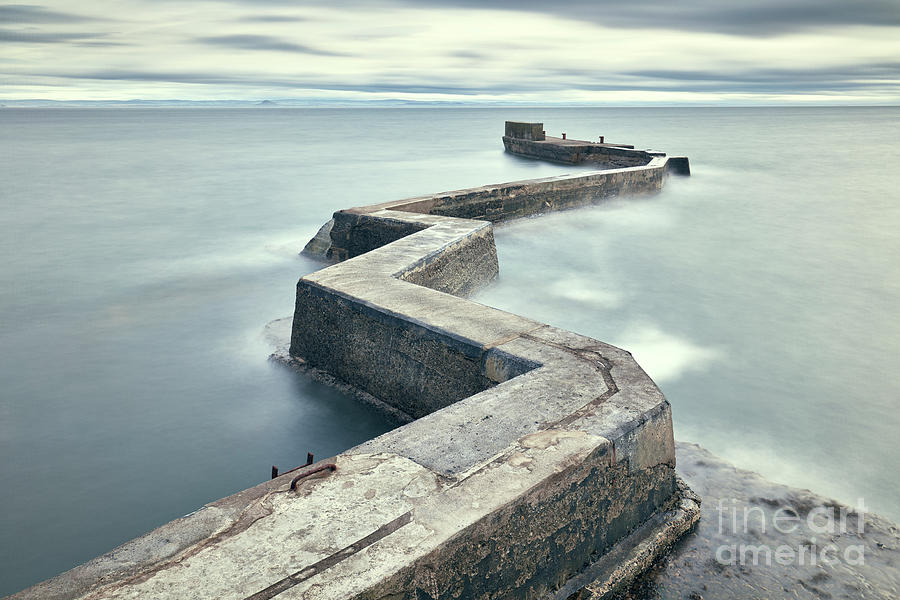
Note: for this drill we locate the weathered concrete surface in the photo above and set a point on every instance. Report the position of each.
(525, 131)
(516, 130)
(577, 151)
(414, 347)
(278, 335)
(862, 554)
(488, 386)
(636, 553)
(355, 231)
(529, 140)
(536, 451)
(381, 526)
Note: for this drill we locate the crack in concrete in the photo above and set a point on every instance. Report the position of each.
(256, 510)
(240, 525)
(593, 357)
(329, 561)
(515, 336)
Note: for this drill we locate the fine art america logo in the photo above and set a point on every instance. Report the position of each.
(815, 535)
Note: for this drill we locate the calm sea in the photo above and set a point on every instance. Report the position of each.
(144, 250)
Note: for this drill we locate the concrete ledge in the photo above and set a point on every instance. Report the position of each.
(357, 230)
(577, 151)
(535, 452)
(637, 552)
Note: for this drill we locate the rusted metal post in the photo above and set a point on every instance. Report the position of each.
(310, 459)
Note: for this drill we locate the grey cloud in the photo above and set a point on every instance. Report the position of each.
(842, 76)
(756, 18)
(760, 18)
(470, 55)
(298, 83)
(755, 87)
(262, 42)
(100, 44)
(29, 36)
(273, 19)
(769, 81)
(29, 81)
(30, 13)
(378, 33)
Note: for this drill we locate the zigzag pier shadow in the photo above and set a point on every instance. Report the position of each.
(536, 463)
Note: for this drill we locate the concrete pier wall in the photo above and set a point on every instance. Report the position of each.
(577, 151)
(352, 232)
(368, 320)
(483, 385)
(535, 452)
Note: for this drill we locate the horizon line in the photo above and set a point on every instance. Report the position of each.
(303, 103)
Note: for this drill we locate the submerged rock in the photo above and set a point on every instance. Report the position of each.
(759, 539)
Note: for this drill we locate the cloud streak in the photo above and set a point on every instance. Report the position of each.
(31, 14)
(272, 19)
(263, 42)
(761, 18)
(255, 81)
(26, 36)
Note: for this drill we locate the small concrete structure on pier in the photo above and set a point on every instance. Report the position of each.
(522, 139)
(525, 131)
(537, 463)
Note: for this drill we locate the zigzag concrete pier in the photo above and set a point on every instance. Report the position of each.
(537, 463)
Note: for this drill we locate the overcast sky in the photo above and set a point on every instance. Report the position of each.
(577, 51)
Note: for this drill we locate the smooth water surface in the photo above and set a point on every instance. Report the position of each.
(144, 250)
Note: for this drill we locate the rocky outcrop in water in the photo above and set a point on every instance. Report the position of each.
(759, 539)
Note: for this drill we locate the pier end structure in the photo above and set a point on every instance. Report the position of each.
(522, 139)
